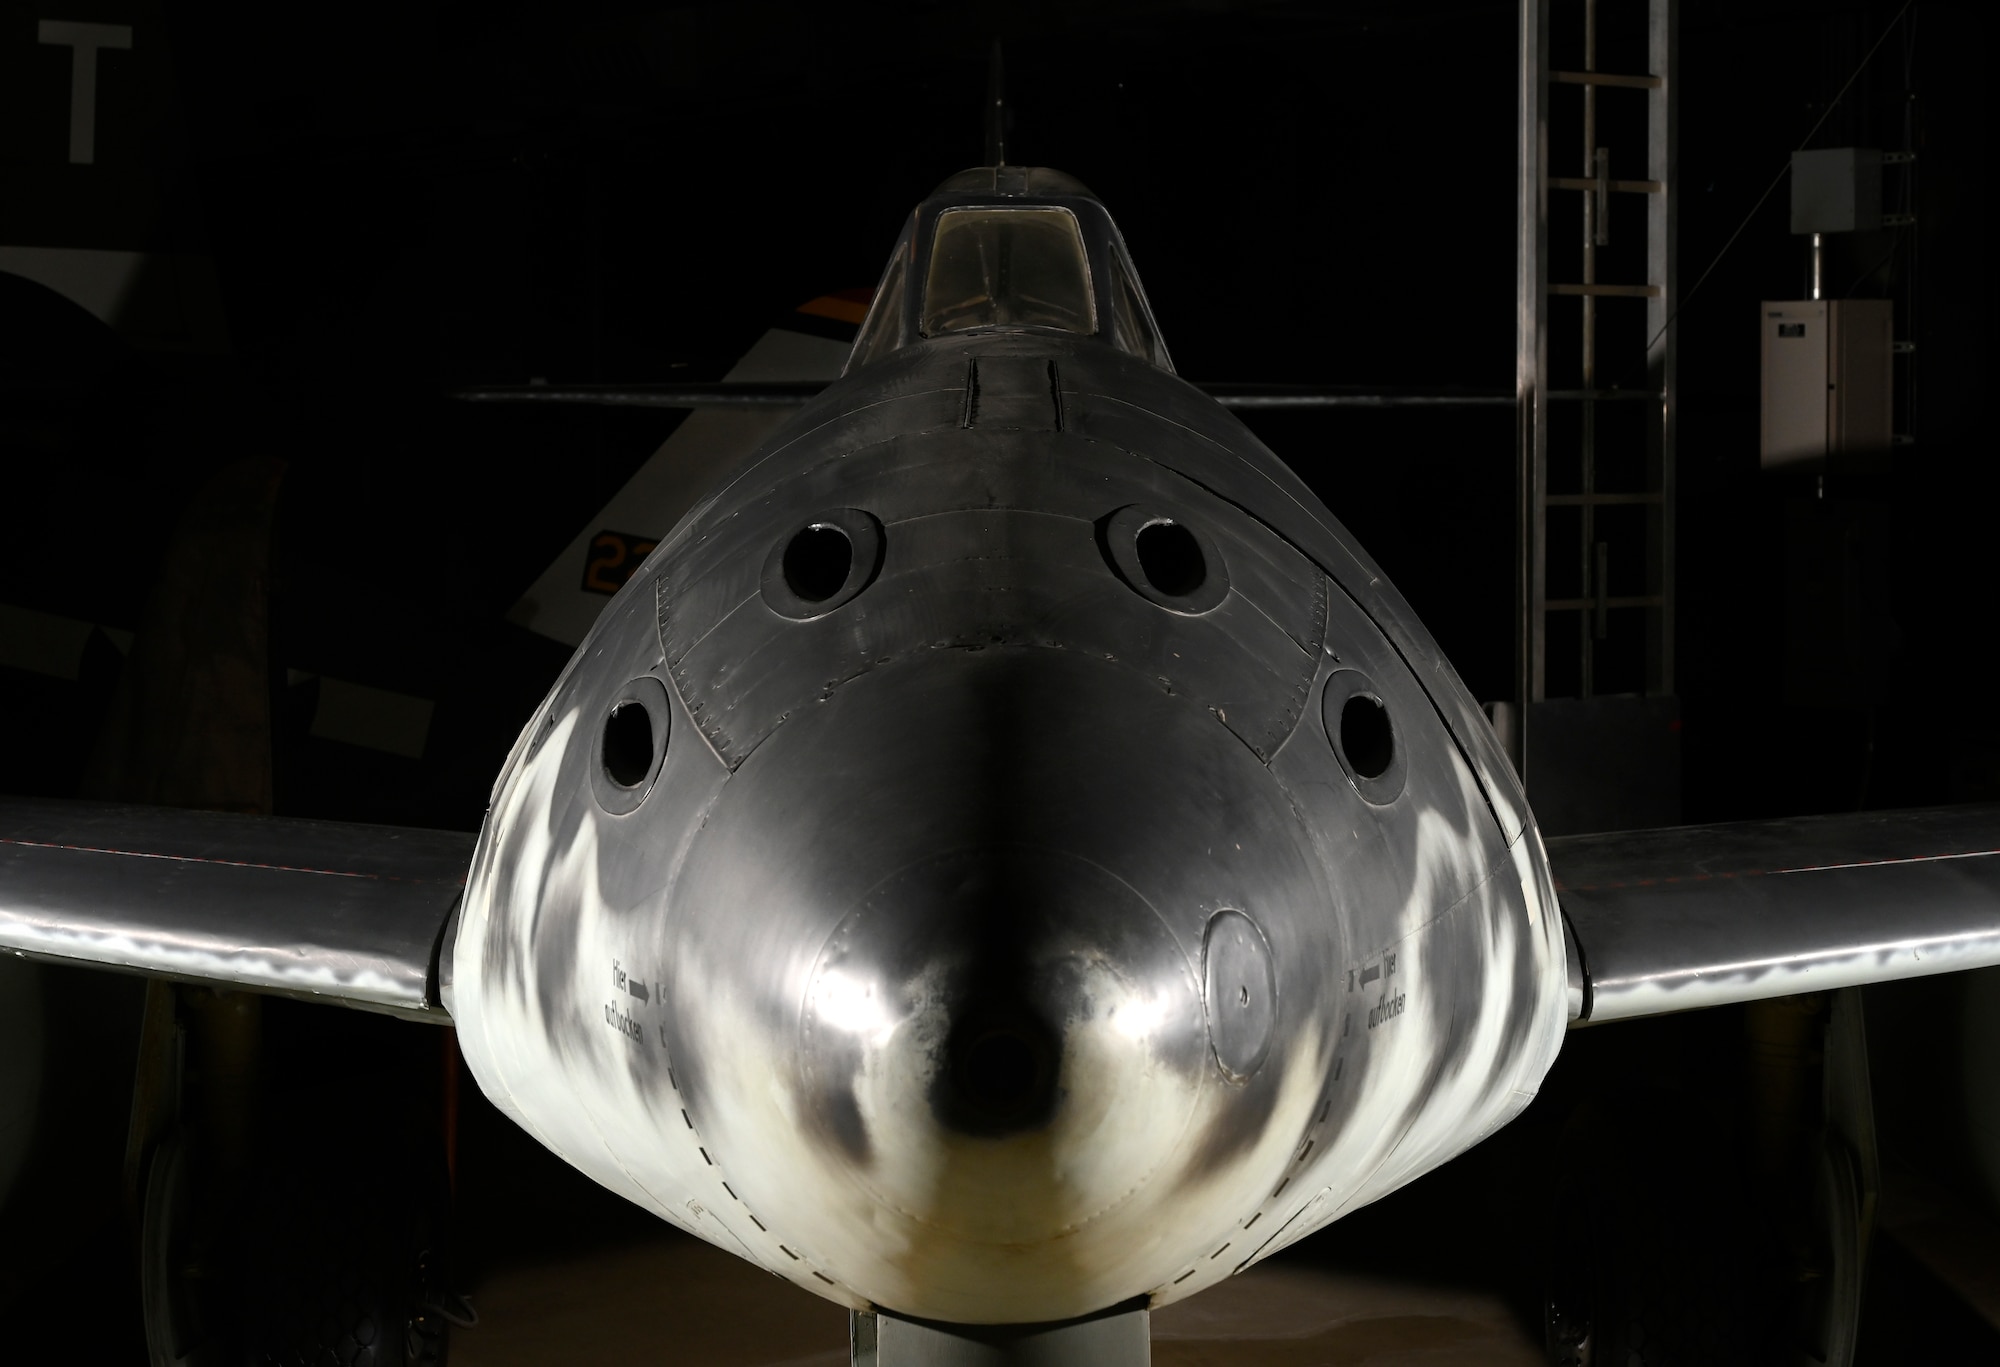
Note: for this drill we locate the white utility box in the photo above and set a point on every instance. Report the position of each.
(1828, 380)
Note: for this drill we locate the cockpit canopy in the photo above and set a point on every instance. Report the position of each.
(1019, 265)
(1010, 249)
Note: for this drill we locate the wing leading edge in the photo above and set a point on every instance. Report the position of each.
(1660, 921)
(1694, 916)
(338, 912)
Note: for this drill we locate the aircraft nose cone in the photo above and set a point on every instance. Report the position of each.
(999, 994)
(956, 937)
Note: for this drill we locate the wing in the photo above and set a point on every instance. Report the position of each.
(350, 914)
(1693, 916)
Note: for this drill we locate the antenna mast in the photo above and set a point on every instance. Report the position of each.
(996, 107)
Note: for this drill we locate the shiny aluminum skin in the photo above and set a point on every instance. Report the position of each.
(1003, 937)
(1695, 916)
(321, 910)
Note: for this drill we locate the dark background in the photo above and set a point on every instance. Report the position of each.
(397, 201)
(350, 210)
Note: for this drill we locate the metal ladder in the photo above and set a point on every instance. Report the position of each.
(1561, 414)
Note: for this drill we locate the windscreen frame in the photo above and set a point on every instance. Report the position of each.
(932, 315)
(1126, 324)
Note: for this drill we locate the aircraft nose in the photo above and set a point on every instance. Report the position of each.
(973, 903)
(972, 989)
(1005, 1039)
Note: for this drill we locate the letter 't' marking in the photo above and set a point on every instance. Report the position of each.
(84, 40)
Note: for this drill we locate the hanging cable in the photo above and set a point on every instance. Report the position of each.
(1783, 171)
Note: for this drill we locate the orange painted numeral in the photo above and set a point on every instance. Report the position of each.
(612, 559)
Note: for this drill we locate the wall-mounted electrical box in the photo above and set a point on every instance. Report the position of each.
(1828, 380)
(1837, 190)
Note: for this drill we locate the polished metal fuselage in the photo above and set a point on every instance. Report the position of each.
(1010, 940)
